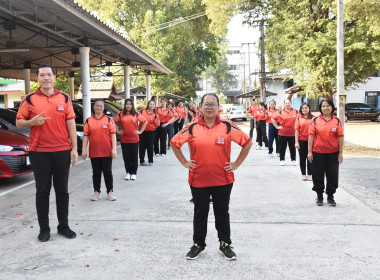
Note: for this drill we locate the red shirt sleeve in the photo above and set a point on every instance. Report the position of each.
(238, 136)
(112, 127)
(86, 129)
(312, 126)
(181, 137)
(70, 111)
(340, 132)
(141, 118)
(116, 119)
(297, 124)
(23, 111)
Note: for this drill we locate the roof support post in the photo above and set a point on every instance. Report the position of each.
(27, 80)
(148, 93)
(85, 66)
(71, 85)
(127, 83)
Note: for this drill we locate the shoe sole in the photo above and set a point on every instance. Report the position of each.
(44, 240)
(201, 253)
(68, 237)
(95, 199)
(229, 259)
(111, 199)
(332, 205)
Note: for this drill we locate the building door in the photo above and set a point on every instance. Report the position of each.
(372, 98)
(2, 101)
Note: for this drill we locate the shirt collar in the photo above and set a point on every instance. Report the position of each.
(38, 91)
(201, 120)
(99, 118)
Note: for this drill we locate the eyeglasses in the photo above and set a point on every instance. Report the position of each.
(210, 105)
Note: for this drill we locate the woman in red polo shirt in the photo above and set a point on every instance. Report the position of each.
(147, 137)
(178, 124)
(272, 131)
(166, 118)
(261, 117)
(170, 127)
(326, 140)
(287, 119)
(301, 138)
(129, 121)
(210, 149)
(100, 133)
(193, 112)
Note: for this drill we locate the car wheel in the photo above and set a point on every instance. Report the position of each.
(345, 118)
(244, 119)
(378, 118)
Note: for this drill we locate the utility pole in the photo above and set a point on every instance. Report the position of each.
(262, 63)
(340, 95)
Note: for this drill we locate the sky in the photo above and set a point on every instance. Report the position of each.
(239, 33)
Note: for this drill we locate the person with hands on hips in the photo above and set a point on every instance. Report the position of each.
(100, 135)
(52, 147)
(211, 171)
(130, 121)
(325, 151)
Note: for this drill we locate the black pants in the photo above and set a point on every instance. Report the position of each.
(169, 131)
(303, 158)
(251, 128)
(273, 136)
(221, 200)
(102, 165)
(325, 164)
(48, 165)
(130, 157)
(290, 141)
(146, 144)
(178, 125)
(160, 140)
(262, 133)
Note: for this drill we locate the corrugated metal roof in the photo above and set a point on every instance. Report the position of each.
(17, 86)
(47, 31)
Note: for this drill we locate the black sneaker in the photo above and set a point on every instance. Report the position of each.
(44, 236)
(331, 201)
(319, 200)
(226, 250)
(195, 251)
(192, 200)
(67, 232)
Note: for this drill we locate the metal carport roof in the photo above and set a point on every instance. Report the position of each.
(40, 31)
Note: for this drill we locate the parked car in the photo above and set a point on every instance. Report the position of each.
(14, 154)
(361, 111)
(8, 122)
(236, 112)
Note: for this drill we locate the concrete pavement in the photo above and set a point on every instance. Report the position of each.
(277, 231)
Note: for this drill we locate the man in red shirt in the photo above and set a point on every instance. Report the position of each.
(53, 145)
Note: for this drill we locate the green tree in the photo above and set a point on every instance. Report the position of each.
(221, 78)
(187, 48)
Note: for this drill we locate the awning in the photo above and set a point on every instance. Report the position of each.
(255, 93)
(52, 31)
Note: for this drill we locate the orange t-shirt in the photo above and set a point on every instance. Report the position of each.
(181, 111)
(326, 133)
(129, 123)
(174, 113)
(52, 136)
(271, 114)
(252, 109)
(302, 125)
(211, 149)
(261, 115)
(152, 119)
(99, 132)
(287, 120)
(164, 115)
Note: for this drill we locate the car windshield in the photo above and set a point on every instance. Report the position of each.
(237, 109)
(8, 115)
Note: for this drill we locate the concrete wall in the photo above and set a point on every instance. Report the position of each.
(13, 97)
(357, 94)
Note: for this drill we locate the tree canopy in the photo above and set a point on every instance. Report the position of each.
(187, 48)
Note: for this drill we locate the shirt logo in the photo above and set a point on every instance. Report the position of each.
(294, 116)
(133, 120)
(104, 126)
(220, 140)
(151, 119)
(61, 108)
(333, 129)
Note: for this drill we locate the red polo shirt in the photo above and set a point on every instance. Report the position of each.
(287, 120)
(129, 123)
(181, 111)
(261, 115)
(271, 114)
(99, 132)
(252, 109)
(164, 115)
(152, 119)
(326, 133)
(211, 149)
(52, 136)
(302, 125)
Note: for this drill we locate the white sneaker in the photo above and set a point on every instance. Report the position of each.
(258, 147)
(294, 163)
(157, 155)
(309, 178)
(270, 155)
(278, 154)
(282, 162)
(96, 196)
(304, 178)
(128, 177)
(163, 155)
(133, 177)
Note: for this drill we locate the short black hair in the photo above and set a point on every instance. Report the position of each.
(263, 105)
(43, 65)
(98, 99)
(210, 94)
(330, 102)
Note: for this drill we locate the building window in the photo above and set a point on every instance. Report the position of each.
(233, 51)
(232, 67)
(288, 84)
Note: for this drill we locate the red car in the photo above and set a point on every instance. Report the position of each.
(14, 150)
